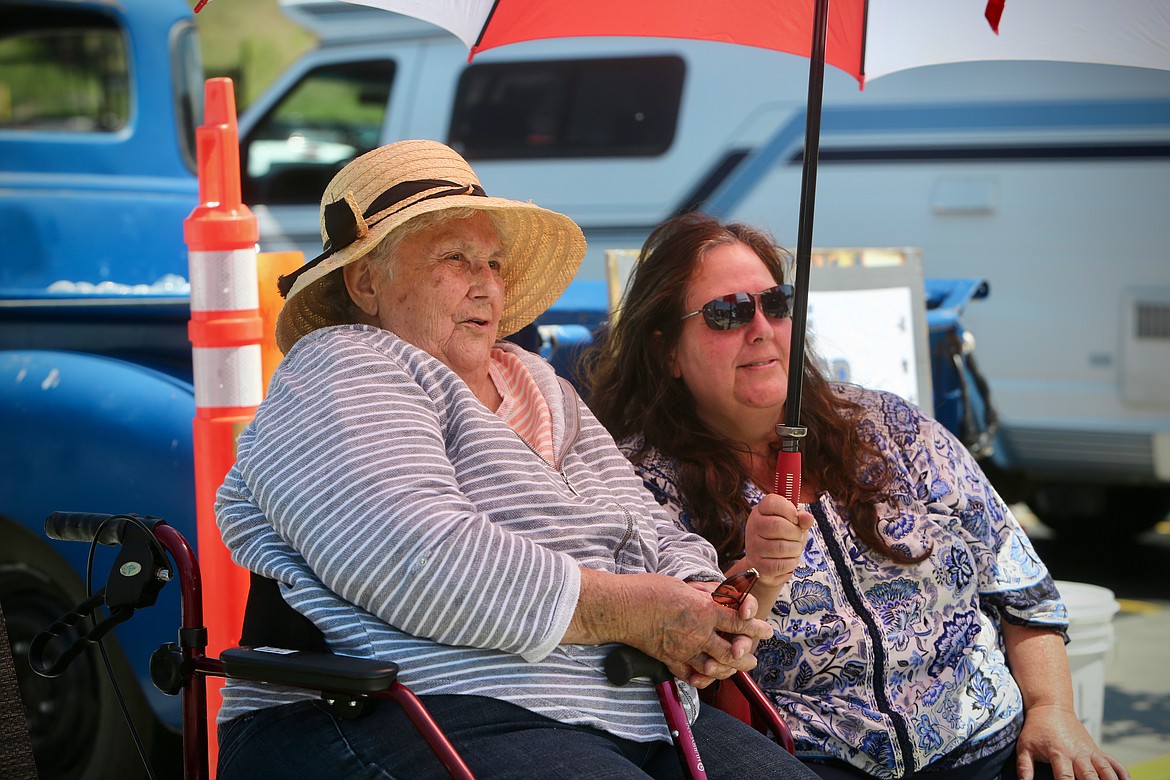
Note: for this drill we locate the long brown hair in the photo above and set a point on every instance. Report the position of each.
(631, 391)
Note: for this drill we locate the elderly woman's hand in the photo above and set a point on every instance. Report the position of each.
(699, 640)
(668, 619)
(707, 669)
(774, 538)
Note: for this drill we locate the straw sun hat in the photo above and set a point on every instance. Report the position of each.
(383, 189)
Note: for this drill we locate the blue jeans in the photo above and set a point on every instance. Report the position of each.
(1000, 765)
(495, 738)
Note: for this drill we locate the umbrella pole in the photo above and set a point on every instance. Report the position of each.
(788, 463)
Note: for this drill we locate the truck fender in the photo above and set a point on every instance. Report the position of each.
(92, 433)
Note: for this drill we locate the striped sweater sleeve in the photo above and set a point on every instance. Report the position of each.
(347, 464)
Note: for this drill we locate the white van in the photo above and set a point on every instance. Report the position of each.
(1050, 181)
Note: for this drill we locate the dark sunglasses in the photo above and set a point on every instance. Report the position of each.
(732, 591)
(732, 311)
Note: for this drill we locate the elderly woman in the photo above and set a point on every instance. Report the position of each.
(428, 494)
(919, 632)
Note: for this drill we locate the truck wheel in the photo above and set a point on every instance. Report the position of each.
(1071, 509)
(75, 724)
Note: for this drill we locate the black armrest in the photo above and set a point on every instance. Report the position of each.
(624, 663)
(319, 671)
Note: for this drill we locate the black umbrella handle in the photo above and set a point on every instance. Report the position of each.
(808, 193)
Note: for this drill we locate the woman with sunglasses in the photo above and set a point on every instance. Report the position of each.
(915, 629)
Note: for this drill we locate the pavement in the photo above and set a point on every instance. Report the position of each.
(1135, 726)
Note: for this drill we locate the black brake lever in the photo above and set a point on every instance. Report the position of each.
(140, 571)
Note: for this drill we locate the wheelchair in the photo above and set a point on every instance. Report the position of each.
(152, 552)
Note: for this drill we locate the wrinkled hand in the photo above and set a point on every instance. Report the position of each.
(682, 626)
(774, 538)
(743, 646)
(1053, 735)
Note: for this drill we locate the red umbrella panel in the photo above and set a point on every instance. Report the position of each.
(782, 26)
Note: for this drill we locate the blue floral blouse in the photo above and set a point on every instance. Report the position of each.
(893, 667)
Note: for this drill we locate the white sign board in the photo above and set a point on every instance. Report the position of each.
(867, 337)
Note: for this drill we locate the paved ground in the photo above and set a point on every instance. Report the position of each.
(1136, 727)
(1136, 723)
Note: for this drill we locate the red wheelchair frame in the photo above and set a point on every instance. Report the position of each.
(342, 680)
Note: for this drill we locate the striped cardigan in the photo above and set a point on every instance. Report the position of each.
(410, 523)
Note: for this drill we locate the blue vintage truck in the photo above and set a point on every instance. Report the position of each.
(98, 105)
(97, 173)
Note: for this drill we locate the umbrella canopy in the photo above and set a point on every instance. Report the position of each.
(866, 38)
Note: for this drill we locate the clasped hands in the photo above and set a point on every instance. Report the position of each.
(678, 622)
(724, 641)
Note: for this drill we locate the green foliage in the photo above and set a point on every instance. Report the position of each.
(73, 79)
(252, 41)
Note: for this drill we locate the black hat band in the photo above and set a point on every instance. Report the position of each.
(343, 225)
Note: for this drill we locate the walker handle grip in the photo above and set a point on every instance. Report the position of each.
(90, 526)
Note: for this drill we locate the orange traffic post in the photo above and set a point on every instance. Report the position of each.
(270, 266)
(225, 332)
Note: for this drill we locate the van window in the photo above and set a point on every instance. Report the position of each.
(62, 70)
(625, 107)
(333, 114)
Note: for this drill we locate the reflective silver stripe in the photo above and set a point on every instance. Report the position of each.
(227, 376)
(224, 281)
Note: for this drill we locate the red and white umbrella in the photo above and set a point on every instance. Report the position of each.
(866, 38)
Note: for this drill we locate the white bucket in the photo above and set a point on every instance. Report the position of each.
(1090, 631)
